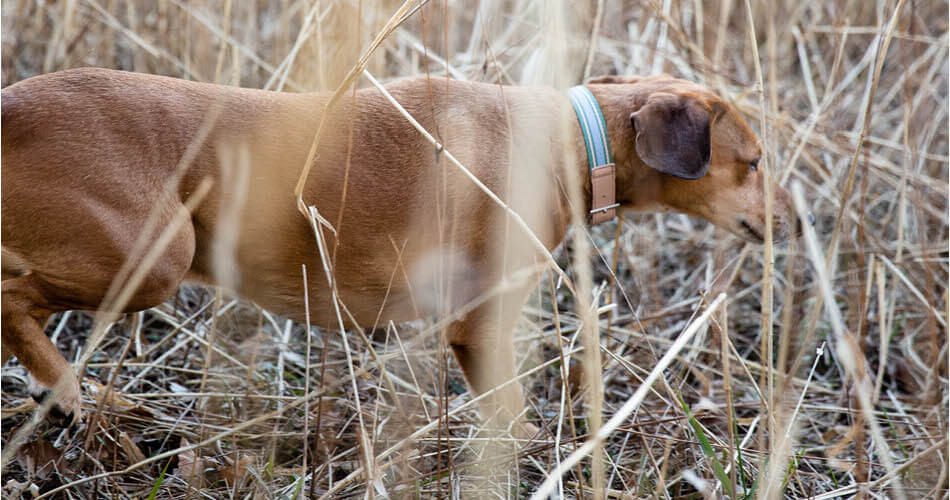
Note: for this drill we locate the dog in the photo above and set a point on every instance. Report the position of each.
(100, 166)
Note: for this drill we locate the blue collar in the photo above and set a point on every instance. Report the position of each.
(593, 127)
(603, 186)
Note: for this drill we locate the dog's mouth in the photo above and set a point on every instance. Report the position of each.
(751, 231)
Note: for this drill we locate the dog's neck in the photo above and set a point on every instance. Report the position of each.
(637, 185)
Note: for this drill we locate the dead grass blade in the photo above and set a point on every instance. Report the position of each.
(547, 487)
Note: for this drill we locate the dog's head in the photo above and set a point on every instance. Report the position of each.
(679, 147)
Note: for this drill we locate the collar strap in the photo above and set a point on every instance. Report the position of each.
(599, 158)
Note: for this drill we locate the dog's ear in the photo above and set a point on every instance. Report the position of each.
(672, 135)
(613, 79)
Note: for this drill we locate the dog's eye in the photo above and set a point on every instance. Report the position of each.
(753, 165)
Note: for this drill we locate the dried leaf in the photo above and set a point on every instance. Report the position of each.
(235, 472)
(194, 469)
(178, 388)
(575, 378)
(115, 399)
(130, 449)
(706, 404)
(15, 489)
(38, 458)
(836, 449)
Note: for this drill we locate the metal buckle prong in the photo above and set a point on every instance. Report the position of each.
(604, 209)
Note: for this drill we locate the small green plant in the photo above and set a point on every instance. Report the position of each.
(718, 469)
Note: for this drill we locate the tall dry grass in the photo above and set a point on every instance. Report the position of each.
(822, 375)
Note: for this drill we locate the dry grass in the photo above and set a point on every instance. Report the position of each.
(268, 410)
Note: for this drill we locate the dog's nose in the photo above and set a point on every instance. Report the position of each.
(811, 218)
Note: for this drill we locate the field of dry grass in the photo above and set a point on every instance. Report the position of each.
(824, 374)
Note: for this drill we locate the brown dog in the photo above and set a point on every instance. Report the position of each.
(91, 177)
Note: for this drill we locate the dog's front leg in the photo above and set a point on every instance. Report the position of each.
(24, 318)
(483, 344)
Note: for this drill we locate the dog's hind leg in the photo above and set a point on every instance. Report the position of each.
(76, 274)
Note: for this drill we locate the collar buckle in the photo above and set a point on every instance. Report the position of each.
(603, 192)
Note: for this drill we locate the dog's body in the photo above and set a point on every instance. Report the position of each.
(88, 156)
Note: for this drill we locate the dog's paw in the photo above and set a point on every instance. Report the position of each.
(65, 410)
